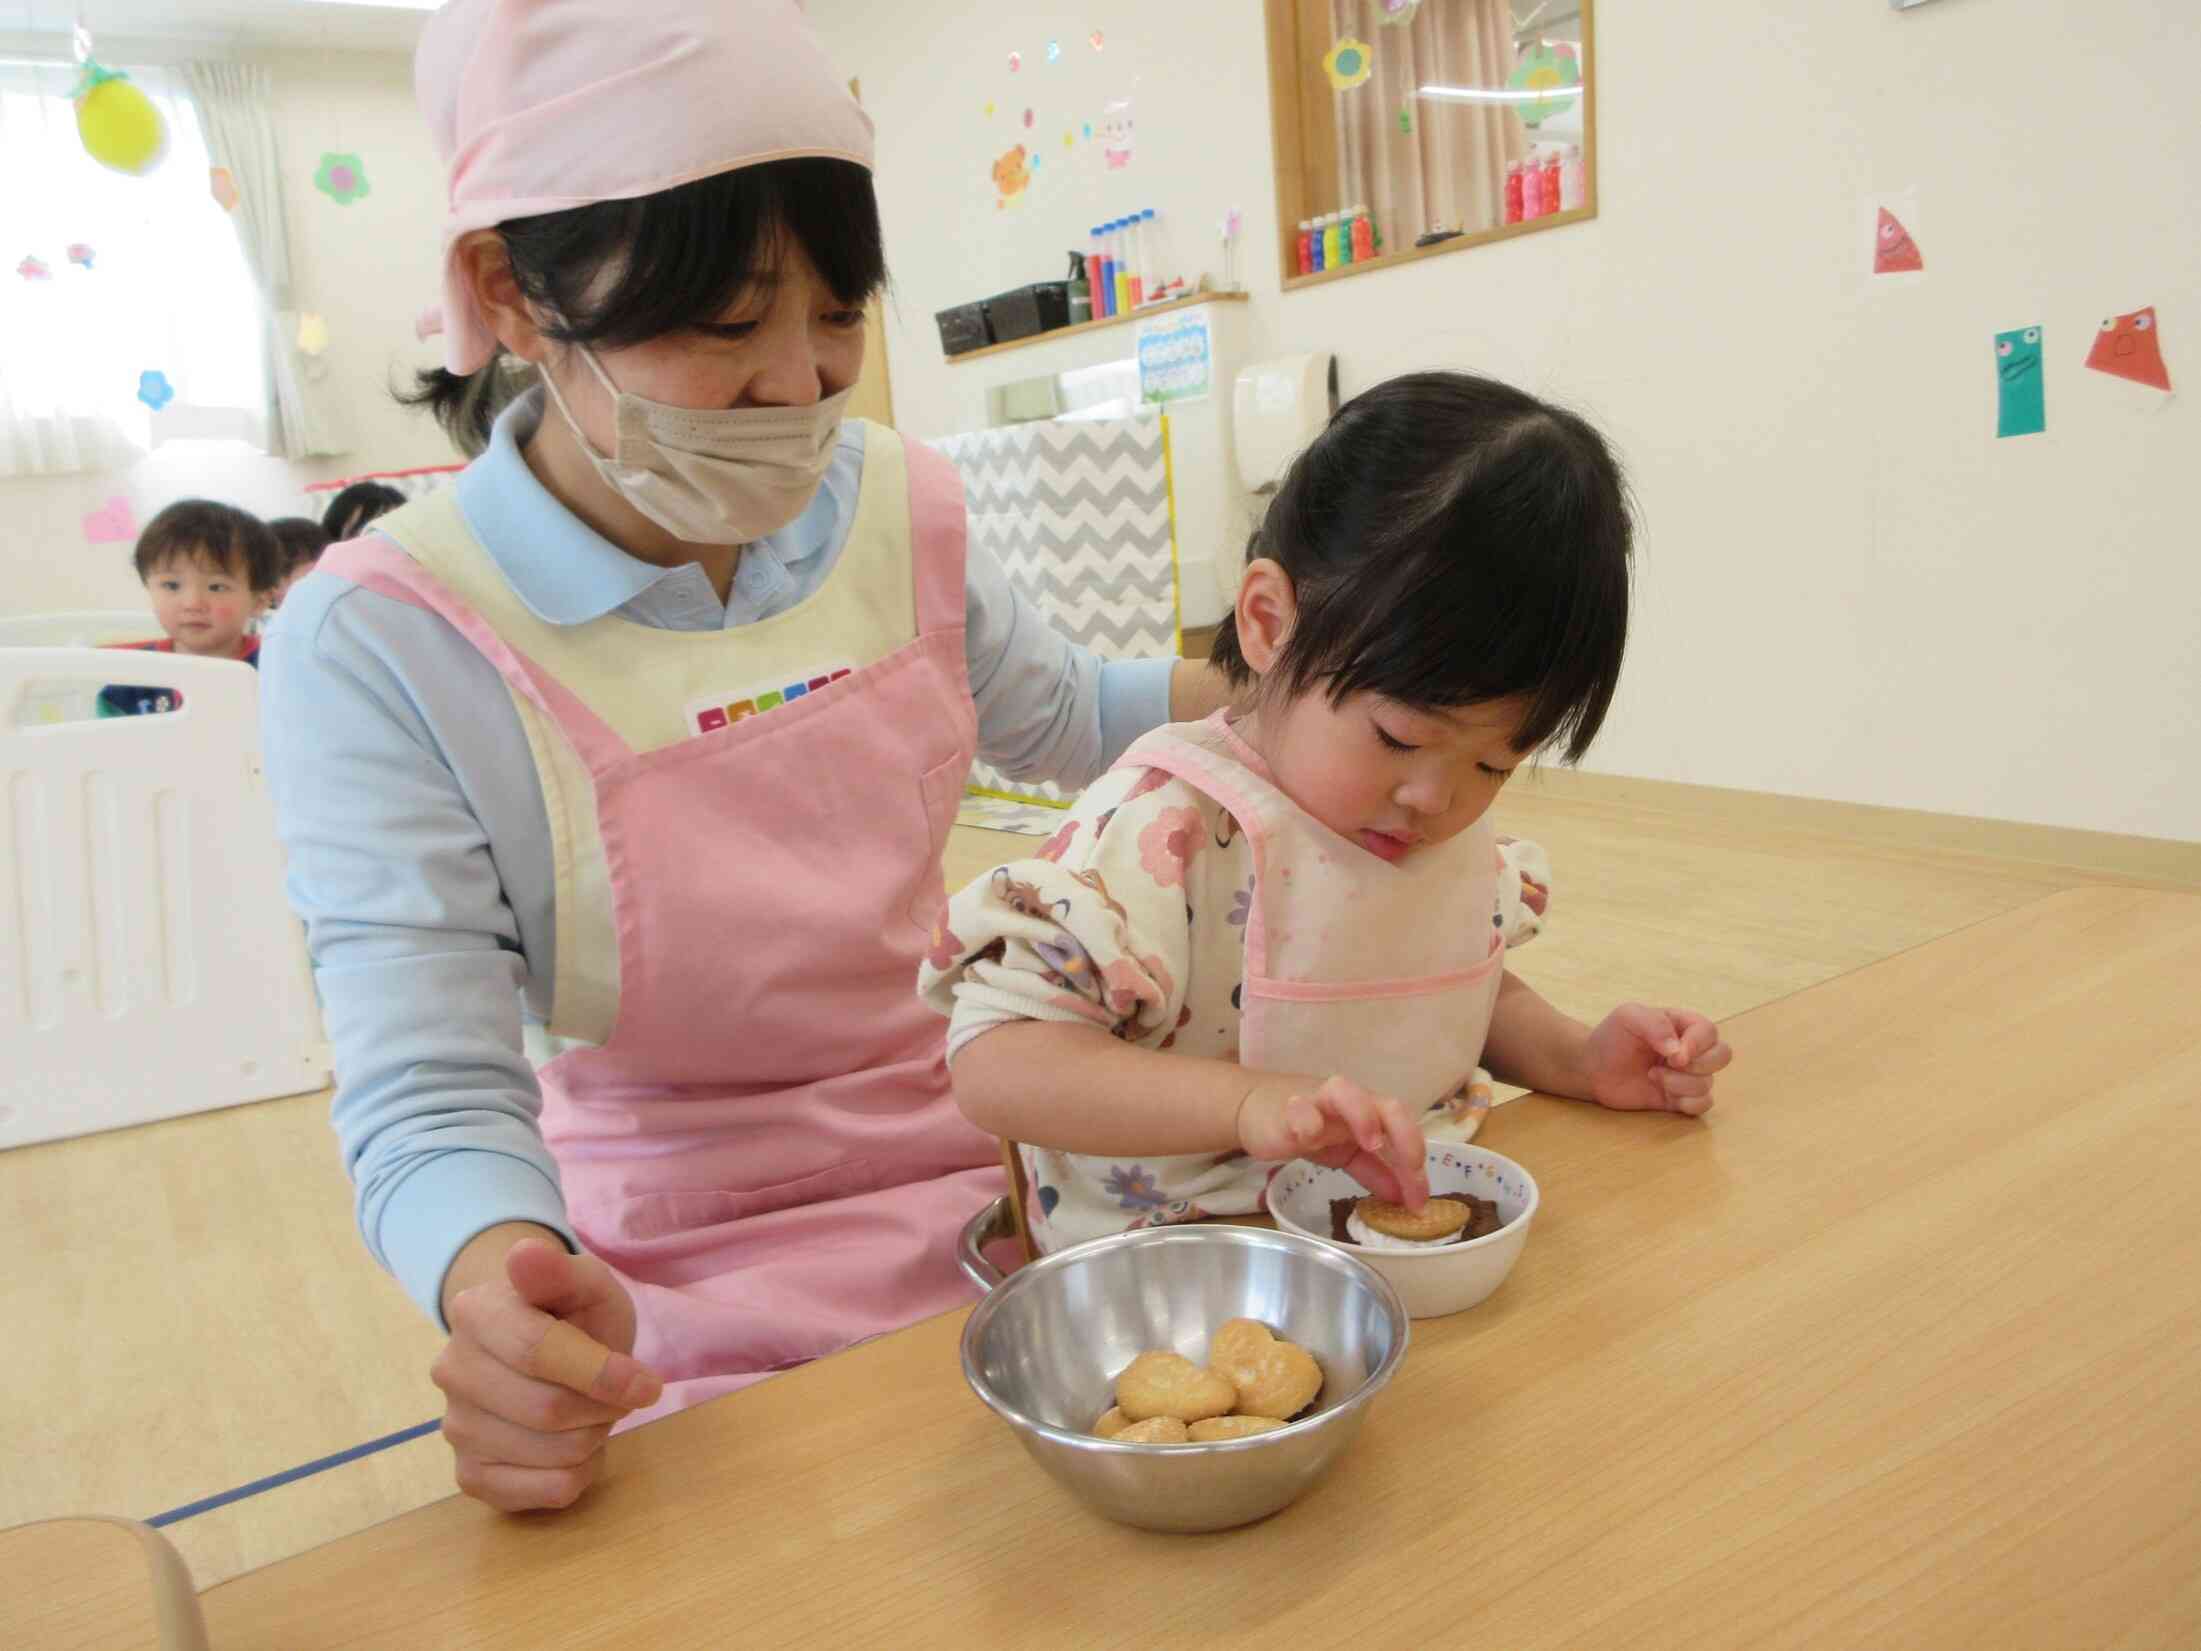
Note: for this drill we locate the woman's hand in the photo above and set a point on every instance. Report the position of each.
(1373, 1138)
(1641, 1059)
(537, 1370)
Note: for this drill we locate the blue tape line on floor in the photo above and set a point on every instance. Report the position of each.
(305, 1471)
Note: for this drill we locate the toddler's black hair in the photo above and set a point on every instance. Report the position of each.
(355, 506)
(204, 530)
(1452, 540)
(299, 541)
(677, 258)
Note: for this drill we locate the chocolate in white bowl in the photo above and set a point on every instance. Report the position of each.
(1439, 1278)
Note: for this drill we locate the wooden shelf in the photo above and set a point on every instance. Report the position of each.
(1083, 327)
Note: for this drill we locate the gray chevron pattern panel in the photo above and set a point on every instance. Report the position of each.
(1077, 513)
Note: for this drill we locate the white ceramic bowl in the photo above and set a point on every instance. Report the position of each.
(1447, 1279)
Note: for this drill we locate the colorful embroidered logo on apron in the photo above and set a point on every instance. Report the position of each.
(723, 710)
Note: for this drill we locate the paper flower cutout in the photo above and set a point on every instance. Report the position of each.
(313, 334)
(223, 187)
(1348, 63)
(33, 268)
(343, 178)
(118, 124)
(111, 524)
(155, 390)
(1016, 61)
(81, 253)
(1548, 71)
(1094, 40)
(1054, 51)
(989, 109)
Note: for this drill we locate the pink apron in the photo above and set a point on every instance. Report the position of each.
(1386, 972)
(763, 1146)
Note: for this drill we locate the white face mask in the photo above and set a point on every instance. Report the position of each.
(712, 475)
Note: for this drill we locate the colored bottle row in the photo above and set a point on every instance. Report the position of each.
(1126, 265)
(1338, 238)
(1546, 182)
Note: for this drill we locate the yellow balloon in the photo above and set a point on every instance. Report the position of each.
(120, 127)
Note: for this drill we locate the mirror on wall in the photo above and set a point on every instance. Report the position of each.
(1408, 128)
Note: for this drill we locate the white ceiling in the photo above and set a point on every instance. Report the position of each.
(279, 23)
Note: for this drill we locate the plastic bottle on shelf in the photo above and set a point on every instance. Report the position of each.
(1552, 182)
(1154, 276)
(1515, 210)
(1096, 271)
(1333, 240)
(1320, 243)
(1306, 246)
(1532, 189)
(1364, 235)
(1120, 292)
(1573, 180)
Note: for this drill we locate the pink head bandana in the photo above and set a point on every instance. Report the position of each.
(542, 105)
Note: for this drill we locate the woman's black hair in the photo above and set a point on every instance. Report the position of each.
(357, 505)
(221, 535)
(677, 258)
(1450, 541)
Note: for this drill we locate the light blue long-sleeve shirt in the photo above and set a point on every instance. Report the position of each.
(419, 849)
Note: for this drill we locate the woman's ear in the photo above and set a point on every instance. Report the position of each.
(1267, 609)
(486, 268)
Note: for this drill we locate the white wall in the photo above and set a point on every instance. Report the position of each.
(1848, 587)
(368, 268)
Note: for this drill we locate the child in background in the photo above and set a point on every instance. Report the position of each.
(209, 569)
(299, 542)
(1281, 932)
(357, 505)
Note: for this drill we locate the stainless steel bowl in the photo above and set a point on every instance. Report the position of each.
(1044, 1348)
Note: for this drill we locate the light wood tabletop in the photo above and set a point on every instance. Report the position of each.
(95, 1585)
(1902, 1346)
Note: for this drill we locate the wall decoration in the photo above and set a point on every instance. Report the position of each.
(2131, 346)
(34, 268)
(1095, 40)
(313, 334)
(1011, 176)
(2021, 398)
(1054, 51)
(118, 124)
(112, 523)
(1027, 120)
(81, 254)
(222, 185)
(1016, 61)
(155, 390)
(343, 178)
(1175, 356)
(1396, 12)
(1893, 250)
(1549, 69)
(1117, 134)
(1348, 63)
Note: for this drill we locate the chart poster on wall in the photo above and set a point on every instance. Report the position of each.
(1176, 357)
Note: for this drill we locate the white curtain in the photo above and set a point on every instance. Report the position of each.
(235, 105)
(105, 277)
(1444, 164)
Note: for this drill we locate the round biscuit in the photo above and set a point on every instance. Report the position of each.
(1439, 1218)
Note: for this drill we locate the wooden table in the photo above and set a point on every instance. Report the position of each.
(1902, 1347)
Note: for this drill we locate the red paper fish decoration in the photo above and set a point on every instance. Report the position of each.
(2129, 346)
(1893, 250)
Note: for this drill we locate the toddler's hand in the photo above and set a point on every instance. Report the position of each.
(1642, 1059)
(1373, 1138)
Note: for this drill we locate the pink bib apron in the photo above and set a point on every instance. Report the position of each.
(763, 1146)
(1383, 971)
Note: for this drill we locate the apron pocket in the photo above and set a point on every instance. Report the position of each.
(940, 789)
